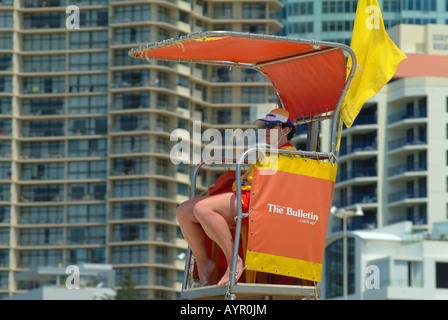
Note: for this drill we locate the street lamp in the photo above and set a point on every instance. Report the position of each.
(343, 214)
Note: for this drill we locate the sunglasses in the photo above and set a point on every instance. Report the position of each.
(268, 126)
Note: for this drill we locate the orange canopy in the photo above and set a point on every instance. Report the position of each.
(309, 76)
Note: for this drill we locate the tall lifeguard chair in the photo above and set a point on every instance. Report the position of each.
(282, 237)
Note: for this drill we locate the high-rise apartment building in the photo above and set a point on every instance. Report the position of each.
(388, 159)
(332, 20)
(85, 172)
(393, 160)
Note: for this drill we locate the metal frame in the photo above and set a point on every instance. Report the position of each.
(231, 290)
(261, 290)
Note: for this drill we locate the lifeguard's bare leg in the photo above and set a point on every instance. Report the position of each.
(194, 234)
(215, 214)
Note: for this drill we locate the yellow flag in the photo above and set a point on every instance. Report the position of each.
(377, 58)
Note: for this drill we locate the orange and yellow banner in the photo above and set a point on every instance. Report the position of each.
(288, 222)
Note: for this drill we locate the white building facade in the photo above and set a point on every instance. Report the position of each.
(388, 263)
(393, 163)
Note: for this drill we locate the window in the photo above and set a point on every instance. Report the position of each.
(161, 188)
(43, 20)
(130, 232)
(5, 84)
(93, 18)
(130, 166)
(5, 149)
(130, 254)
(163, 14)
(4, 258)
(130, 188)
(41, 215)
(139, 275)
(304, 8)
(5, 170)
(302, 27)
(88, 61)
(86, 191)
(86, 235)
(41, 236)
(86, 105)
(131, 13)
(253, 95)
(442, 275)
(222, 11)
(334, 271)
(87, 170)
(4, 236)
(43, 128)
(131, 123)
(43, 106)
(135, 100)
(224, 116)
(254, 11)
(90, 39)
(131, 144)
(418, 5)
(5, 214)
(86, 213)
(88, 83)
(446, 101)
(87, 126)
(6, 20)
(94, 255)
(130, 210)
(44, 171)
(5, 106)
(36, 258)
(132, 35)
(40, 42)
(44, 63)
(6, 40)
(183, 81)
(42, 193)
(87, 148)
(408, 273)
(5, 62)
(43, 85)
(5, 127)
(222, 95)
(182, 189)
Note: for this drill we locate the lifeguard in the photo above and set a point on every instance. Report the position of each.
(212, 215)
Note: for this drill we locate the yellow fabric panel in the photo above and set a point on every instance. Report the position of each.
(285, 266)
(298, 165)
(377, 59)
(250, 172)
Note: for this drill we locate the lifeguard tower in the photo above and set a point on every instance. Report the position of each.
(282, 237)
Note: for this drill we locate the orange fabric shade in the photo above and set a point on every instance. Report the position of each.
(308, 78)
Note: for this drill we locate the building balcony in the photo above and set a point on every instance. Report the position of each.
(357, 198)
(359, 147)
(364, 119)
(363, 172)
(403, 195)
(408, 114)
(407, 141)
(408, 167)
